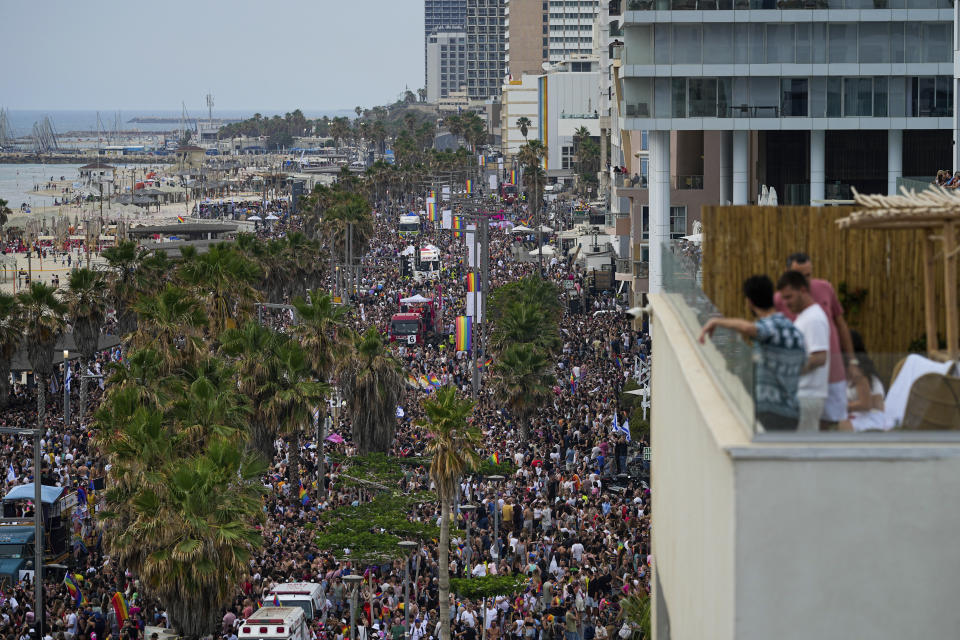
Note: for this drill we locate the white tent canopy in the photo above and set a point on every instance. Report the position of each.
(255, 218)
(546, 250)
(272, 217)
(695, 238)
(415, 299)
(521, 229)
(544, 228)
(408, 251)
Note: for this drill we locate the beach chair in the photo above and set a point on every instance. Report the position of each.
(933, 403)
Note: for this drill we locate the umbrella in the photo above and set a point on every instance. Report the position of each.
(520, 229)
(415, 299)
(256, 218)
(335, 437)
(272, 217)
(695, 238)
(546, 250)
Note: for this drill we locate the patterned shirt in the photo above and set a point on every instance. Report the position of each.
(780, 356)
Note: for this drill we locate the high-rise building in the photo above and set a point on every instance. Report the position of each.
(526, 36)
(485, 48)
(444, 15)
(570, 27)
(446, 63)
(810, 98)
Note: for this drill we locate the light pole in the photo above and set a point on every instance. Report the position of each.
(353, 581)
(66, 389)
(468, 510)
(495, 481)
(407, 546)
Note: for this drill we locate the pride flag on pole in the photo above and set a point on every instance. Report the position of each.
(513, 176)
(471, 282)
(73, 588)
(483, 160)
(431, 211)
(457, 227)
(120, 607)
(469, 186)
(464, 326)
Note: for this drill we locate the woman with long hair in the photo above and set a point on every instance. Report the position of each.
(865, 391)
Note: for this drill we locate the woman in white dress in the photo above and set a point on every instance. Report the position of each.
(864, 391)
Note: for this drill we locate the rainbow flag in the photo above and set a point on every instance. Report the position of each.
(495, 458)
(433, 194)
(513, 176)
(469, 186)
(424, 383)
(412, 381)
(483, 160)
(464, 327)
(179, 219)
(259, 604)
(486, 363)
(120, 607)
(435, 381)
(73, 588)
(471, 282)
(432, 211)
(276, 601)
(457, 227)
(573, 383)
(304, 498)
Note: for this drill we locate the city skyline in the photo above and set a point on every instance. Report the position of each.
(229, 49)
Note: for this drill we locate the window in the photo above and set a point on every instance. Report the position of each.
(644, 171)
(678, 222)
(780, 43)
(644, 144)
(686, 44)
(567, 157)
(874, 42)
(703, 97)
(931, 96)
(679, 92)
(794, 96)
(842, 42)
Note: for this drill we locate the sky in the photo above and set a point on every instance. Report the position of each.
(276, 55)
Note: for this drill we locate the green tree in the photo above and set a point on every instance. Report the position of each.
(339, 130)
(523, 382)
(224, 280)
(11, 337)
(4, 214)
(523, 122)
(372, 381)
(171, 322)
(453, 449)
(86, 298)
(321, 329)
(125, 261)
(43, 314)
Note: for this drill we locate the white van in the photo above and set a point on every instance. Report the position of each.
(276, 623)
(306, 595)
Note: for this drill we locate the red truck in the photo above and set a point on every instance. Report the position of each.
(508, 193)
(416, 322)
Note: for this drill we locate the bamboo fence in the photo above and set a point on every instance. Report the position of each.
(745, 240)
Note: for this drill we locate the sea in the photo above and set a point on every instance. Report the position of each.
(21, 121)
(17, 180)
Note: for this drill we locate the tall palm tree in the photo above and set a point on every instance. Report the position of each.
(43, 314)
(4, 214)
(452, 448)
(525, 323)
(125, 260)
(11, 337)
(171, 322)
(523, 382)
(321, 331)
(372, 381)
(224, 280)
(524, 123)
(86, 298)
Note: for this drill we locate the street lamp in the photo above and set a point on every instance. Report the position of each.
(407, 546)
(353, 581)
(496, 480)
(468, 510)
(66, 388)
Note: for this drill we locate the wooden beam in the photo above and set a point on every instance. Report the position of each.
(929, 293)
(950, 261)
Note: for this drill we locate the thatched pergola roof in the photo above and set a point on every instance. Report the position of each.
(937, 211)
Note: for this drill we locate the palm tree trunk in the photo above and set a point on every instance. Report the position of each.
(41, 399)
(293, 468)
(4, 383)
(444, 560)
(83, 386)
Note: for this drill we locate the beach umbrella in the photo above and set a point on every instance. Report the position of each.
(254, 218)
(272, 217)
(520, 229)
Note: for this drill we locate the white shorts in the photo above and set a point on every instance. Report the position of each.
(810, 411)
(835, 408)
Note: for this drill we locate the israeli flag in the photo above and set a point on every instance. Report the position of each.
(69, 376)
(621, 428)
(400, 412)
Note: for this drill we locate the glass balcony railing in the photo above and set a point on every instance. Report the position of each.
(641, 269)
(728, 5)
(684, 183)
(580, 116)
(623, 265)
(625, 181)
(637, 110)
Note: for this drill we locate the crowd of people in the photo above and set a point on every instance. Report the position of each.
(813, 372)
(573, 519)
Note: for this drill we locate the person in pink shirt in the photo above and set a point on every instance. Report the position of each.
(841, 345)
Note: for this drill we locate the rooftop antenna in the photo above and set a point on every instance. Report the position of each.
(210, 108)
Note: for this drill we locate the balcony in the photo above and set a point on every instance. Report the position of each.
(684, 183)
(614, 8)
(637, 110)
(746, 5)
(624, 181)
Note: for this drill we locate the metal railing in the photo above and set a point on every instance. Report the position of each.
(580, 116)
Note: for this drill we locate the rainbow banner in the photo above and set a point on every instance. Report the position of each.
(433, 194)
(435, 381)
(73, 588)
(471, 282)
(120, 607)
(469, 186)
(276, 601)
(513, 176)
(464, 327)
(483, 160)
(486, 363)
(304, 498)
(495, 458)
(432, 211)
(179, 219)
(457, 227)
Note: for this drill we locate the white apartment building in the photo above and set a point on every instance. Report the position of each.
(446, 63)
(569, 28)
(519, 98)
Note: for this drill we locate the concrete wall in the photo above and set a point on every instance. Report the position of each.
(693, 488)
(849, 543)
(525, 37)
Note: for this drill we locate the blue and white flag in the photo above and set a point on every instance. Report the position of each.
(11, 474)
(69, 376)
(622, 429)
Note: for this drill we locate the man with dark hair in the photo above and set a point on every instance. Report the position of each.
(780, 351)
(812, 388)
(835, 406)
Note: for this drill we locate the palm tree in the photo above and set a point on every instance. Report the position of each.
(86, 299)
(320, 329)
(225, 280)
(339, 130)
(125, 260)
(171, 322)
(453, 450)
(43, 314)
(4, 214)
(11, 337)
(525, 323)
(372, 381)
(523, 382)
(524, 123)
